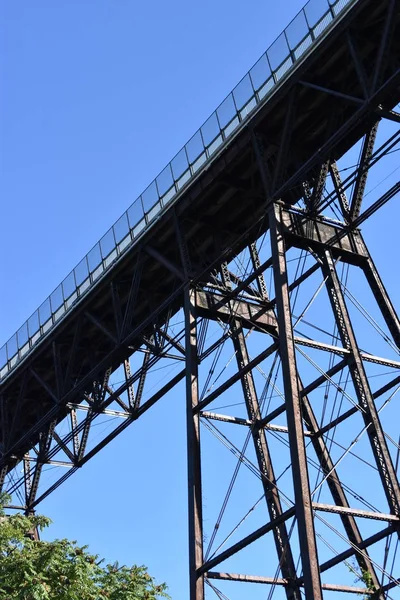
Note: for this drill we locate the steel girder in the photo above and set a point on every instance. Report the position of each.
(293, 206)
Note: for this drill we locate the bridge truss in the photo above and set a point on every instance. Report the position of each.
(273, 323)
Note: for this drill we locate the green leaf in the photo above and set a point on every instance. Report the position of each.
(61, 569)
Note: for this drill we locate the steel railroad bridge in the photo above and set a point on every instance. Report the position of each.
(262, 171)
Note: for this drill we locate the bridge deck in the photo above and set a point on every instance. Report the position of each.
(212, 204)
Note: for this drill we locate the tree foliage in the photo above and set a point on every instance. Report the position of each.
(62, 570)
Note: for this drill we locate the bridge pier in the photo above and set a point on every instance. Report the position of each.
(195, 512)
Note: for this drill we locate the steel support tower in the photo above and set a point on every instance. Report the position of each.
(248, 275)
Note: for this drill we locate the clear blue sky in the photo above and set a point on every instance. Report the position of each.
(95, 97)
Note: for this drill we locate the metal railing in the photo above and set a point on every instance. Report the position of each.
(254, 88)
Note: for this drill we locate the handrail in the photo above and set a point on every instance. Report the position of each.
(257, 85)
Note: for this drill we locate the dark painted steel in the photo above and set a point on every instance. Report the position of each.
(336, 489)
(382, 298)
(304, 512)
(284, 153)
(361, 385)
(271, 491)
(195, 513)
(361, 182)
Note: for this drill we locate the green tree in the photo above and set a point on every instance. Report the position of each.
(62, 570)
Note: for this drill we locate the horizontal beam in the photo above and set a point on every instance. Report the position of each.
(225, 418)
(246, 578)
(217, 306)
(249, 539)
(239, 421)
(356, 512)
(304, 232)
(340, 351)
(334, 587)
(55, 463)
(104, 411)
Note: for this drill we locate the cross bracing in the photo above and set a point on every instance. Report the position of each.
(258, 290)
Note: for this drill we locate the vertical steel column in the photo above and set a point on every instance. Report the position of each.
(3, 473)
(304, 512)
(27, 480)
(370, 271)
(75, 436)
(319, 445)
(364, 395)
(336, 488)
(271, 492)
(321, 449)
(382, 297)
(34, 533)
(44, 447)
(282, 541)
(193, 449)
(4, 429)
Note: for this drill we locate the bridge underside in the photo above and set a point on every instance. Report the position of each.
(256, 288)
